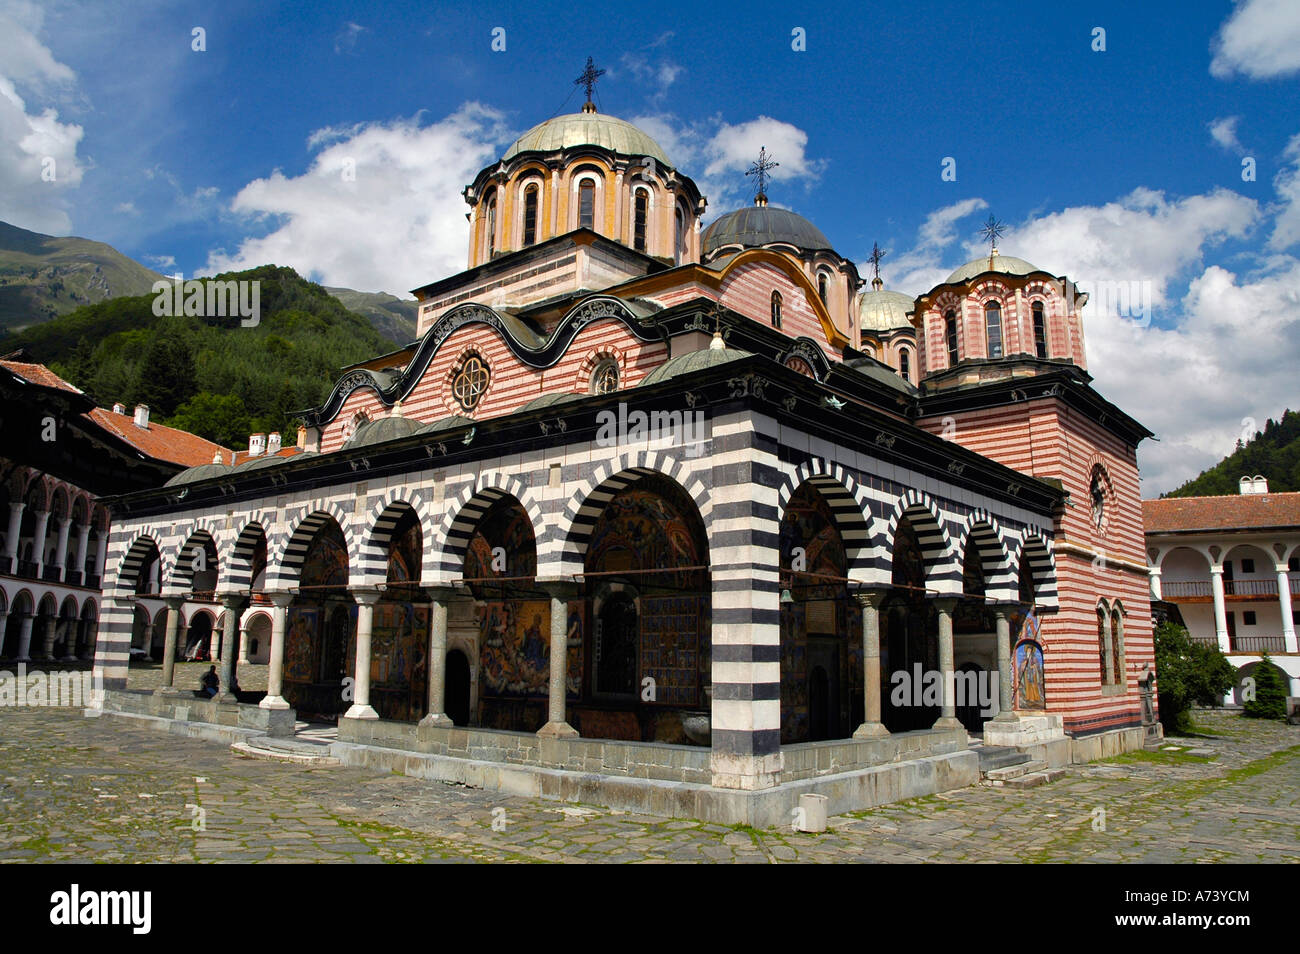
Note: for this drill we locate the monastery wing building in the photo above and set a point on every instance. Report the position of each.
(649, 502)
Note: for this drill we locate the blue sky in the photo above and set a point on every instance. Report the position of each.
(1114, 166)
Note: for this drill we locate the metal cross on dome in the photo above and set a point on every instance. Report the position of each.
(992, 231)
(589, 77)
(875, 257)
(760, 169)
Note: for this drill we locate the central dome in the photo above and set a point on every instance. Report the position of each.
(1006, 264)
(763, 225)
(882, 310)
(587, 129)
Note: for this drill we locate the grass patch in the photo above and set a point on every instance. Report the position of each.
(1160, 757)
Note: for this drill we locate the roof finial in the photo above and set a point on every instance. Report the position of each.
(588, 81)
(760, 169)
(992, 231)
(876, 256)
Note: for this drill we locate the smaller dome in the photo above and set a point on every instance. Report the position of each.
(547, 400)
(381, 430)
(884, 310)
(763, 225)
(693, 361)
(1006, 264)
(447, 424)
(201, 472)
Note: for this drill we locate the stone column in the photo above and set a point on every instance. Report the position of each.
(361, 708)
(872, 727)
(274, 698)
(1220, 613)
(556, 726)
(83, 544)
(70, 632)
(948, 715)
(234, 604)
(51, 635)
(101, 555)
(25, 638)
(1154, 573)
(1284, 601)
(38, 540)
(174, 604)
(61, 547)
(243, 645)
(4, 630)
(437, 714)
(11, 537)
(1005, 703)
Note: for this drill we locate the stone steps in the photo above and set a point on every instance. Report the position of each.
(995, 757)
(295, 751)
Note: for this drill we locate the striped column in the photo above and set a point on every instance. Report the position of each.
(113, 645)
(746, 631)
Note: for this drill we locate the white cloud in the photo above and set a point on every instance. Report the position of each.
(379, 209)
(921, 267)
(345, 41)
(1261, 40)
(1286, 227)
(654, 75)
(1224, 132)
(726, 151)
(38, 153)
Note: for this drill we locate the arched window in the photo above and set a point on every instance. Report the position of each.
(491, 226)
(1117, 646)
(993, 327)
(1040, 330)
(1102, 620)
(587, 204)
(679, 245)
(604, 379)
(530, 215)
(950, 327)
(905, 364)
(821, 287)
(642, 204)
(776, 309)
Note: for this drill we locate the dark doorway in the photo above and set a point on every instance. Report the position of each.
(334, 650)
(615, 647)
(824, 720)
(968, 686)
(456, 698)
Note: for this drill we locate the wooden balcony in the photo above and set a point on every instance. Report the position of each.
(1201, 591)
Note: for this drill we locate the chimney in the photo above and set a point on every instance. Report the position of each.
(141, 415)
(302, 438)
(256, 444)
(273, 443)
(1254, 485)
(217, 458)
(119, 408)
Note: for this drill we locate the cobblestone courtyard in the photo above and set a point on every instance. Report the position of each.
(113, 789)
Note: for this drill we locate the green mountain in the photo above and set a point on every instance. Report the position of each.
(42, 277)
(394, 317)
(209, 375)
(1273, 452)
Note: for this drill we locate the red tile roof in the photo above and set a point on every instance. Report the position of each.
(156, 441)
(1236, 512)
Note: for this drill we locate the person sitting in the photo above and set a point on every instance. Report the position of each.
(210, 682)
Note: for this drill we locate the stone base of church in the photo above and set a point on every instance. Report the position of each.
(1022, 729)
(763, 808)
(1103, 745)
(183, 708)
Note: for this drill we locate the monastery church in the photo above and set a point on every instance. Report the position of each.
(684, 519)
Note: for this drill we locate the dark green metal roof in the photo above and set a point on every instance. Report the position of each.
(763, 225)
(693, 361)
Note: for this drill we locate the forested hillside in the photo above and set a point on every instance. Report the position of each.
(1273, 452)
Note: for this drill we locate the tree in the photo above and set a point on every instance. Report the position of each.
(1269, 698)
(1188, 674)
(221, 418)
(166, 372)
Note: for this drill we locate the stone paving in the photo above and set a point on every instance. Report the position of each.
(112, 789)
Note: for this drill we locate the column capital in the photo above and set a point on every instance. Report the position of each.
(441, 592)
(1282, 567)
(280, 598)
(1216, 569)
(173, 602)
(365, 595)
(561, 589)
(870, 594)
(944, 604)
(233, 601)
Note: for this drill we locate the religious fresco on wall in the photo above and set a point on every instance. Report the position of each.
(643, 529)
(300, 644)
(506, 526)
(516, 654)
(399, 678)
(972, 614)
(1031, 689)
(909, 632)
(670, 648)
